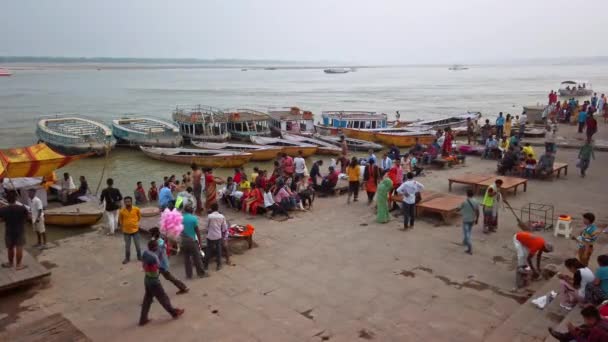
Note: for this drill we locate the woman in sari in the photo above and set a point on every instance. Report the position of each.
(384, 189)
(508, 126)
(254, 200)
(211, 188)
(371, 174)
(447, 143)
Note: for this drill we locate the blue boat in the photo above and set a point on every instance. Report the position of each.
(146, 131)
(334, 121)
(73, 134)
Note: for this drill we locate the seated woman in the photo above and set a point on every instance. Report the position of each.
(270, 205)
(282, 197)
(431, 153)
(573, 286)
(253, 201)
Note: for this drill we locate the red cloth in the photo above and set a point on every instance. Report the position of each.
(332, 178)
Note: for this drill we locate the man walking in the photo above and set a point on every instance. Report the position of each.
(161, 252)
(128, 220)
(154, 289)
(217, 228)
(14, 216)
(112, 198)
(584, 155)
(37, 212)
(469, 209)
(408, 190)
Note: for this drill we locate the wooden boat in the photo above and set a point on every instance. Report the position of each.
(290, 147)
(370, 134)
(258, 153)
(335, 121)
(202, 123)
(291, 120)
(146, 131)
(457, 67)
(452, 122)
(323, 147)
(246, 123)
(77, 215)
(575, 88)
(337, 71)
(203, 158)
(353, 144)
(75, 135)
(404, 139)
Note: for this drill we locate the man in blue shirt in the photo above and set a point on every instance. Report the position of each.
(165, 196)
(386, 164)
(582, 118)
(500, 124)
(191, 247)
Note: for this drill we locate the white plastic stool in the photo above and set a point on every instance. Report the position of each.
(563, 228)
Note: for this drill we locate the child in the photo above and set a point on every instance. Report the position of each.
(153, 192)
(530, 166)
(161, 252)
(587, 238)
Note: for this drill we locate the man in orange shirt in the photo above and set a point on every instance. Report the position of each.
(128, 220)
(527, 245)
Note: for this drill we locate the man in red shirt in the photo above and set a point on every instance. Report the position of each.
(595, 328)
(527, 245)
(591, 125)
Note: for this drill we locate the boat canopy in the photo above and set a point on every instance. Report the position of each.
(32, 161)
(576, 82)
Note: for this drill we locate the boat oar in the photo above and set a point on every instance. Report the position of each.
(520, 223)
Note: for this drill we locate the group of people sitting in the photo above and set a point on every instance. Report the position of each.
(516, 159)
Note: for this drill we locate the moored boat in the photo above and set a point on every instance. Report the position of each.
(457, 67)
(351, 143)
(323, 147)
(370, 134)
(337, 70)
(452, 122)
(246, 123)
(77, 215)
(146, 131)
(75, 134)
(291, 120)
(334, 121)
(404, 139)
(258, 152)
(203, 158)
(202, 123)
(289, 147)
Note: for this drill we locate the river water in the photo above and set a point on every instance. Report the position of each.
(418, 92)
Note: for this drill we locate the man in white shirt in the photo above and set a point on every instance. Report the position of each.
(300, 165)
(217, 230)
(386, 164)
(37, 212)
(408, 190)
(522, 125)
(67, 187)
(372, 156)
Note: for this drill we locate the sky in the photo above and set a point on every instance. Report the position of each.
(357, 31)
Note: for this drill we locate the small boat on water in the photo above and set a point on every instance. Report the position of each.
(291, 120)
(457, 67)
(575, 88)
(334, 121)
(77, 215)
(146, 131)
(5, 72)
(323, 147)
(290, 147)
(351, 143)
(202, 123)
(452, 122)
(75, 135)
(203, 158)
(258, 153)
(337, 71)
(246, 123)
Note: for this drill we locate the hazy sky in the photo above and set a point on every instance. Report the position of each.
(370, 31)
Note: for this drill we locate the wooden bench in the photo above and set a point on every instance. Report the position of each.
(10, 278)
(558, 167)
(444, 205)
(508, 183)
(468, 179)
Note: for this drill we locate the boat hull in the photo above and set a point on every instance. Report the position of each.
(403, 140)
(577, 92)
(359, 134)
(219, 161)
(96, 149)
(72, 219)
(325, 130)
(292, 151)
(136, 139)
(258, 153)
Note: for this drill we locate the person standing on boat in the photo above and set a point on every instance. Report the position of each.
(112, 198)
(344, 146)
(197, 186)
(128, 220)
(500, 124)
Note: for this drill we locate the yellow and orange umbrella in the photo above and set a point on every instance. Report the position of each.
(32, 161)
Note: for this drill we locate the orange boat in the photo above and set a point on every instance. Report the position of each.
(291, 148)
(404, 139)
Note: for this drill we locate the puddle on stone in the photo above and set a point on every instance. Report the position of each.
(498, 258)
(422, 268)
(307, 314)
(366, 334)
(408, 274)
(48, 265)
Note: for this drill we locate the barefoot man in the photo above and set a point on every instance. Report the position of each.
(14, 216)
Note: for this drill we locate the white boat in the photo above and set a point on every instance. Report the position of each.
(575, 88)
(457, 67)
(146, 131)
(75, 134)
(334, 121)
(351, 143)
(246, 123)
(337, 70)
(454, 121)
(323, 147)
(291, 120)
(202, 123)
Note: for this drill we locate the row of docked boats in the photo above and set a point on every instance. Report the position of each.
(221, 138)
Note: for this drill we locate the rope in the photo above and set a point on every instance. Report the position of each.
(103, 170)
